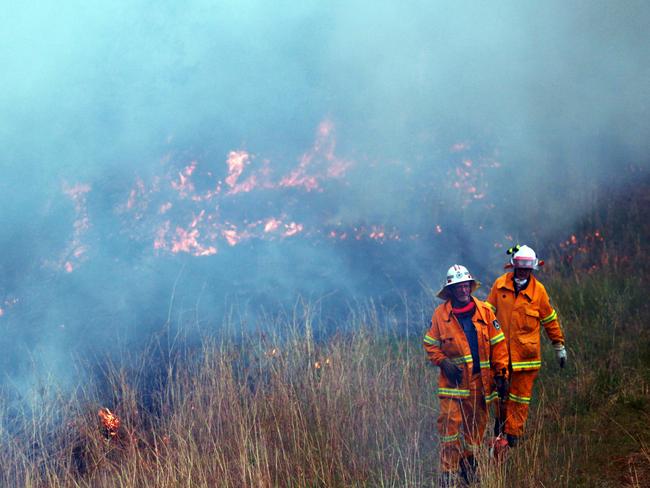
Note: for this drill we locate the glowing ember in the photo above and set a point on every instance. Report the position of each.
(231, 236)
(109, 420)
(75, 250)
(184, 185)
(236, 162)
(271, 225)
(275, 352)
(292, 229)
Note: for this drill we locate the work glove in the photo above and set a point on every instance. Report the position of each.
(452, 371)
(560, 353)
(502, 387)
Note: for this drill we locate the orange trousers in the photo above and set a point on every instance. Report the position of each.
(469, 416)
(515, 409)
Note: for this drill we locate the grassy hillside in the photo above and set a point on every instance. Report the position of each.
(271, 406)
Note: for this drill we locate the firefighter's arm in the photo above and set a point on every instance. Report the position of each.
(491, 300)
(549, 320)
(432, 343)
(499, 357)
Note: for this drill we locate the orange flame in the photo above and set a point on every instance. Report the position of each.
(110, 421)
(236, 162)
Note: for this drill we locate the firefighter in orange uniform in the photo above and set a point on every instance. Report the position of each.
(466, 341)
(522, 306)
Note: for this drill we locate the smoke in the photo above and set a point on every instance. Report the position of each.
(382, 142)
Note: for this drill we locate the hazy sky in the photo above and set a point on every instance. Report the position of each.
(548, 100)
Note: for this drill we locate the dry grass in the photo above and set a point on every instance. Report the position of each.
(279, 408)
(271, 405)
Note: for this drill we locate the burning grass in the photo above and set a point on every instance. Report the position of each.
(275, 407)
(357, 409)
(263, 412)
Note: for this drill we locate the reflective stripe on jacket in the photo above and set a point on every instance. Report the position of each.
(521, 317)
(446, 340)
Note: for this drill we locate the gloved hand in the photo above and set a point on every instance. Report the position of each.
(452, 371)
(560, 353)
(502, 387)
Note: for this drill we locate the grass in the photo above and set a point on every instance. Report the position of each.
(270, 405)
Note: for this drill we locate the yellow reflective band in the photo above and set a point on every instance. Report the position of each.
(463, 359)
(550, 318)
(494, 309)
(453, 392)
(518, 399)
(526, 365)
(472, 448)
(485, 364)
(497, 338)
(430, 340)
(491, 397)
(449, 438)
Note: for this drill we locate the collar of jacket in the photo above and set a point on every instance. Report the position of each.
(506, 282)
(478, 314)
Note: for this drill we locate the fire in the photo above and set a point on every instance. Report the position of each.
(587, 251)
(292, 229)
(236, 162)
(271, 225)
(470, 177)
(74, 253)
(231, 236)
(184, 186)
(194, 220)
(109, 420)
(272, 353)
(321, 364)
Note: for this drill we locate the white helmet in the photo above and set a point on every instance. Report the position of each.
(457, 274)
(524, 257)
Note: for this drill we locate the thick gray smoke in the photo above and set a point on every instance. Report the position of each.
(429, 133)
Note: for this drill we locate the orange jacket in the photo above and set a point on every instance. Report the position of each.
(521, 317)
(446, 340)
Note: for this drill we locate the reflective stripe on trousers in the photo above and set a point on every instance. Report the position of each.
(516, 407)
(461, 419)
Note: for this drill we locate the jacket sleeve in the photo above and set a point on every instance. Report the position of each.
(432, 343)
(499, 357)
(491, 300)
(548, 319)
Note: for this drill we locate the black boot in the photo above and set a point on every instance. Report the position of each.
(513, 440)
(468, 472)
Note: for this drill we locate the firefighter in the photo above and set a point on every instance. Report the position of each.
(522, 306)
(466, 341)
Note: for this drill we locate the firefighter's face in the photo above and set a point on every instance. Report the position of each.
(522, 273)
(462, 292)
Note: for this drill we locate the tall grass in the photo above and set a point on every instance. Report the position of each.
(271, 409)
(286, 403)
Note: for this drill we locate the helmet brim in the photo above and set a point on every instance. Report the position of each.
(445, 293)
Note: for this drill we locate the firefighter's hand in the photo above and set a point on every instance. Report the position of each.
(451, 371)
(560, 353)
(502, 387)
